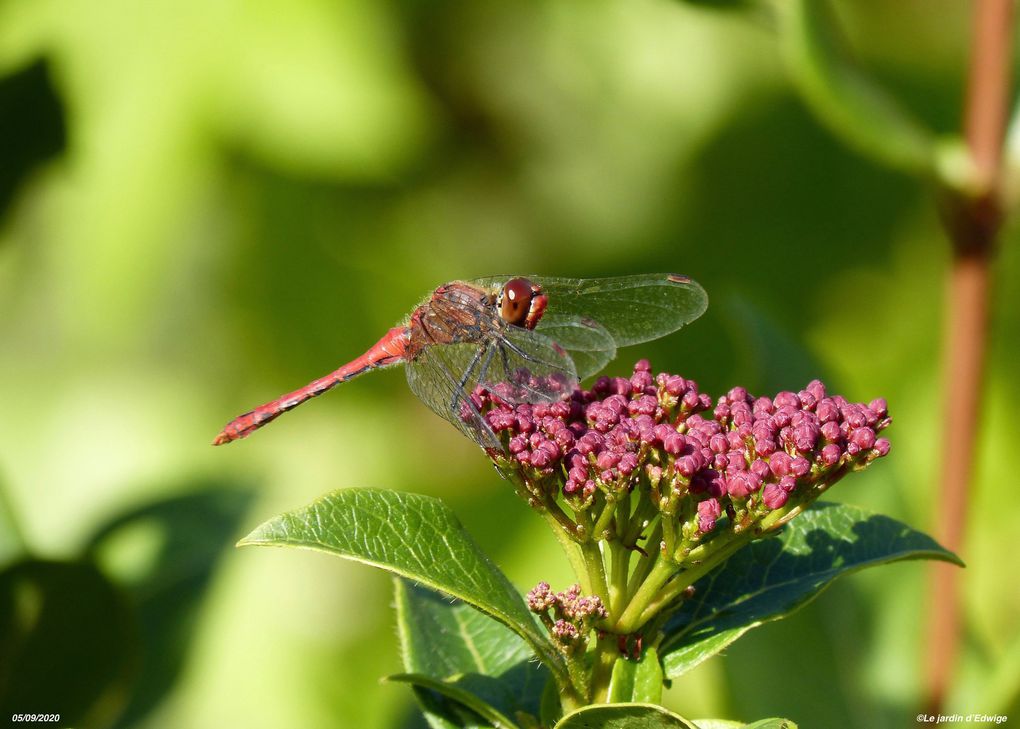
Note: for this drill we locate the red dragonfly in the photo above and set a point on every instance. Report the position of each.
(553, 331)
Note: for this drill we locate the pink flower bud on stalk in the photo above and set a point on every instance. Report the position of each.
(572, 614)
(698, 469)
(660, 437)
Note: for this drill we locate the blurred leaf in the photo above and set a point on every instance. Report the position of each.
(637, 681)
(451, 691)
(453, 641)
(192, 531)
(12, 540)
(623, 716)
(773, 577)
(1001, 687)
(67, 643)
(32, 134)
(762, 724)
(413, 536)
(771, 358)
(724, 4)
(843, 96)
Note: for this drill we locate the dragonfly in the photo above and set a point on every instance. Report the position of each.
(541, 335)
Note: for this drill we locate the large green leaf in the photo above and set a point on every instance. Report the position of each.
(453, 641)
(771, 578)
(413, 536)
(492, 716)
(623, 716)
(67, 643)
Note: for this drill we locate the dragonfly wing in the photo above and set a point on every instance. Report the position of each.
(526, 366)
(632, 309)
(443, 376)
(589, 344)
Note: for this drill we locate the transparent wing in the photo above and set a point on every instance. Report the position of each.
(442, 377)
(518, 366)
(589, 344)
(526, 366)
(632, 309)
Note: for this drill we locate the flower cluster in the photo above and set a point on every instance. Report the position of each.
(697, 457)
(568, 615)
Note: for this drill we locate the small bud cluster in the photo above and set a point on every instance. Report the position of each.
(738, 455)
(568, 615)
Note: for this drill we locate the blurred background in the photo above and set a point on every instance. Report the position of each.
(206, 204)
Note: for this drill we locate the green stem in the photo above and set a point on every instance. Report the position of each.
(645, 511)
(669, 530)
(620, 558)
(646, 561)
(606, 652)
(596, 568)
(688, 577)
(573, 551)
(623, 507)
(630, 619)
(579, 680)
(565, 522)
(602, 523)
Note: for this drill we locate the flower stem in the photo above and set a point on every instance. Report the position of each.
(620, 559)
(669, 530)
(688, 577)
(646, 561)
(607, 513)
(606, 652)
(596, 569)
(579, 682)
(630, 619)
(571, 549)
(645, 511)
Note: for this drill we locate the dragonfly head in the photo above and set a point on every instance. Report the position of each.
(521, 303)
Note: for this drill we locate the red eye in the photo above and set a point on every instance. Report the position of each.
(515, 301)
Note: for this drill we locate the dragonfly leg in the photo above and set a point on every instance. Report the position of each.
(470, 422)
(458, 391)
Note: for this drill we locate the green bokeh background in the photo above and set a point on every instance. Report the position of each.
(208, 203)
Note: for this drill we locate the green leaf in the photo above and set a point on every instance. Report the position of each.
(843, 96)
(413, 536)
(637, 681)
(444, 640)
(67, 643)
(623, 716)
(771, 578)
(493, 716)
(185, 535)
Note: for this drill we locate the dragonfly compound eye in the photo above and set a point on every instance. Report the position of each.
(515, 301)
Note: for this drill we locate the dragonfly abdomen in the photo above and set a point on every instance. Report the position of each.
(389, 350)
